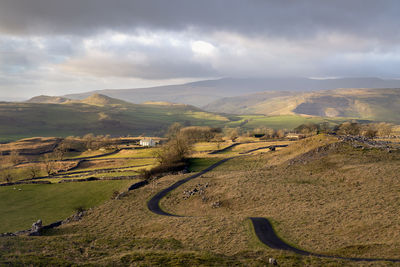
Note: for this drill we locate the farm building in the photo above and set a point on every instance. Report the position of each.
(147, 142)
(294, 136)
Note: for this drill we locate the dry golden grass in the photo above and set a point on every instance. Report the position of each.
(340, 201)
(33, 145)
(345, 202)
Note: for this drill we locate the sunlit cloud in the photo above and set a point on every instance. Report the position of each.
(67, 46)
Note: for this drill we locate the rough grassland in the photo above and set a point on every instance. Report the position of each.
(20, 208)
(342, 202)
(33, 119)
(124, 232)
(248, 122)
(339, 200)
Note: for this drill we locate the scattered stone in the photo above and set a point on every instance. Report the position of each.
(36, 227)
(7, 234)
(199, 189)
(272, 261)
(76, 217)
(216, 204)
(361, 142)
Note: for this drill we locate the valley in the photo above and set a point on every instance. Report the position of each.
(301, 187)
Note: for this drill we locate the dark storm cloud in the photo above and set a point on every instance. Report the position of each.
(284, 18)
(50, 46)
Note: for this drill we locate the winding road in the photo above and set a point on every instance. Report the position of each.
(262, 226)
(154, 202)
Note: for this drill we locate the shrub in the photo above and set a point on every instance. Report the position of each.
(173, 130)
(6, 176)
(160, 169)
(349, 128)
(308, 129)
(199, 134)
(174, 151)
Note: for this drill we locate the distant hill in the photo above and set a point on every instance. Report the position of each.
(48, 99)
(204, 92)
(99, 115)
(101, 100)
(94, 99)
(371, 104)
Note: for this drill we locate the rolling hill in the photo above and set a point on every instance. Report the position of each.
(97, 114)
(202, 93)
(44, 99)
(370, 104)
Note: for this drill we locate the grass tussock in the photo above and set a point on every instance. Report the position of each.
(332, 198)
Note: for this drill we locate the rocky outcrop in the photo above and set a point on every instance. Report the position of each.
(36, 228)
(361, 141)
(198, 189)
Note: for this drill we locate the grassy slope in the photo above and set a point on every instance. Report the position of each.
(334, 202)
(19, 209)
(280, 122)
(18, 120)
(370, 104)
(341, 202)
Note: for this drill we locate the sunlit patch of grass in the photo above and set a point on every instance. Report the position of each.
(25, 204)
(199, 164)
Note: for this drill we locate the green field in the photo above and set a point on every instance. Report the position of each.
(280, 122)
(20, 120)
(199, 164)
(51, 202)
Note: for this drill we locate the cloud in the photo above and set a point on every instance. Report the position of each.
(146, 56)
(286, 18)
(55, 46)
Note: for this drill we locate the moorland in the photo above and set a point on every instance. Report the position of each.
(305, 178)
(324, 191)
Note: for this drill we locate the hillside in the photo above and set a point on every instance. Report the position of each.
(48, 99)
(371, 104)
(335, 199)
(204, 92)
(101, 100)
(99, 115)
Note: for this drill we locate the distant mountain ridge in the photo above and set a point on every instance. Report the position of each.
(372, 104)
(202, 93)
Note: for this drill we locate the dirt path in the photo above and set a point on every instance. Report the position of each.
(262, 226)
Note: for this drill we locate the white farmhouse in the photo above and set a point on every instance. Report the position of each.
(147, 142)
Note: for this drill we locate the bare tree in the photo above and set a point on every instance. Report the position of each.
(369, 130)
(6, 176)
(173, 130)
(34, 172)
(49, 165)
(349, 128)
(384, 129)
(174, 151)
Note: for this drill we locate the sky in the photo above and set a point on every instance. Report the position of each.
(56, 47)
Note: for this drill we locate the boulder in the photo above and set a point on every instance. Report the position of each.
(36, 227)
(272, 261)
